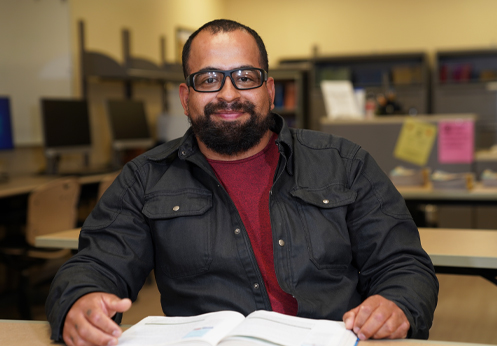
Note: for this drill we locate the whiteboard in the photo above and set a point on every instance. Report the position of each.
(35, 60)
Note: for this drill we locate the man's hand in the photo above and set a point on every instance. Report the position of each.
(89, 322)
(377, 318)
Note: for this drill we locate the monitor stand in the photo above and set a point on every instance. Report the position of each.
(54, 160)
(52, 164)
(4, 176)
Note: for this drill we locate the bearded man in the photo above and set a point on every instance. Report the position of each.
(243, 213)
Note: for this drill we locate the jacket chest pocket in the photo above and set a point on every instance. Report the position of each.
(181, 227)
(324, 213)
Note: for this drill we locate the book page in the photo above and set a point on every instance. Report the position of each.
(273, 328)
(161, 330)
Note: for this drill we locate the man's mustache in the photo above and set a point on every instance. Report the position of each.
(245, 107)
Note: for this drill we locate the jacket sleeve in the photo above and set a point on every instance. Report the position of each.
(387, 247)
(115, 252)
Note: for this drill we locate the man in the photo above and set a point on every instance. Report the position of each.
(243, 213)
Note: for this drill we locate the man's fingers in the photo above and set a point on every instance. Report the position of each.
(364, 327)
(114, 304)
(101, 321)
(81, 332)
(385, 332)
(348, 319)
(89, 322)
(377, 318)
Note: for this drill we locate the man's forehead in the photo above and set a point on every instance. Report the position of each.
(222, 37)
(223, 50)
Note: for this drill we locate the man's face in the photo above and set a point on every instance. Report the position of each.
(228, 121)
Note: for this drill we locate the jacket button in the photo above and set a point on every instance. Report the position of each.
(256, 286)
(326, 201)
(176, 208)
(237, 231)
(281, 242)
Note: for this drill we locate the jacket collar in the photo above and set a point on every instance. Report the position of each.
(187, 146)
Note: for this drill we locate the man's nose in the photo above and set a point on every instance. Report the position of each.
(228, 91)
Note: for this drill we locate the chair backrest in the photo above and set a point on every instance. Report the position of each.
(106, 182)
(52, 207)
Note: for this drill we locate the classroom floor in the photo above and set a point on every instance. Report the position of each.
(466, 312)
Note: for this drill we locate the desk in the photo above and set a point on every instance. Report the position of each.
(63, 240)
(37, 333)
(452, 251)
(25, 184)
(462, 251)
(478, 193)
(473, 208)
(15, 192)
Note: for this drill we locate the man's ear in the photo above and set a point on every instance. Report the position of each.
(184, 93)
(270, 90)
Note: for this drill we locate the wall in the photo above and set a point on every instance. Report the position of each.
(291, 28)
(34, 61)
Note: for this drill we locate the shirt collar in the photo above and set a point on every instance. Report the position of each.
(187, 146)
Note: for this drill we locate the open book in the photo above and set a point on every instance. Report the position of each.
(230, 328)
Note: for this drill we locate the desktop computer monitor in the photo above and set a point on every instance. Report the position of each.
(129, 125)
(6, 137)
(66, 126)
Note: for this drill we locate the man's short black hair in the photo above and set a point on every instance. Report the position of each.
(224, 25)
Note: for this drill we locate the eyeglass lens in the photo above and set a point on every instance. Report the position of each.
(213, 80)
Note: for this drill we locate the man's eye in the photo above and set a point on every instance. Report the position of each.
(245, 79)
(208, 80)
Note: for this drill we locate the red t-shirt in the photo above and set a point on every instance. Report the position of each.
(248, 182)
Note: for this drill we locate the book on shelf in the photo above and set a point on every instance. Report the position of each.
(279, 94)
(285, 95)
(230, 328)
(290, 95)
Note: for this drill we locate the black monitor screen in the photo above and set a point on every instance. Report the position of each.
(66, 123)
(6, 140)
(128, 120)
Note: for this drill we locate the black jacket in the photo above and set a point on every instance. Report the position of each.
(347, 235)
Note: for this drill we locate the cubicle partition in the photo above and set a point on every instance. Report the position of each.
(379, 136)
(475, 208)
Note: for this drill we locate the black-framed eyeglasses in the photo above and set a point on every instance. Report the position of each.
(242, 78)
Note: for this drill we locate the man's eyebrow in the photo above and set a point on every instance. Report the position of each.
(212, 68)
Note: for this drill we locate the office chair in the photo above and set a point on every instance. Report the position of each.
(106, 182)
(52, 207)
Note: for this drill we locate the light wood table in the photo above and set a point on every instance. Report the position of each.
(462, 251)
(37, 333)
(468, 248)
(428, 194)
(63, 240)
(21, 185)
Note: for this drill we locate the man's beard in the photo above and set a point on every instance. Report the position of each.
(231, 137)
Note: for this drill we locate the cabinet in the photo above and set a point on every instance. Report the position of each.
(466, 81)
(290, 94)
(406, 75)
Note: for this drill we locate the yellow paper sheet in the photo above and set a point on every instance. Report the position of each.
(415, 142)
